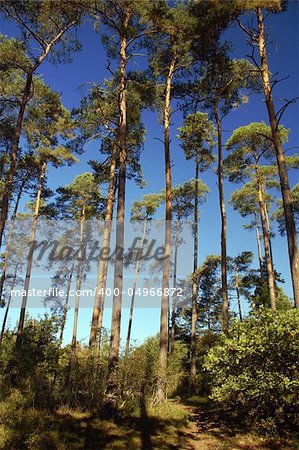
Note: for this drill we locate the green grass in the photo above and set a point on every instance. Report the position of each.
(189, 425)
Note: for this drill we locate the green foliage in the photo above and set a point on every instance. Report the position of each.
(98, 118)
(183, 197)
(209, 282)
(81, 380)
(146, 207)
(205, 342)
(82, 193)
(245, 199)
(197, 137)
(140, 370)
(248, 145)
(18, 421)
(42, 23)
(172, 43)
(254, 370)
(225, 83)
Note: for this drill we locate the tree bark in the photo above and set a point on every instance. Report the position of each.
(65, 308)
(269, 233)
(280, 158)
(270, 271)
(174, 296)
(30, 255)
(137, 270)
(225, 303)
(161, 382)
(192, 385)
(13, 156)
(120, 225)
(238, 294)
(8, 304)
(98, 308)
(8, 243)
(79, 280)
(258, 240)
(63, 322)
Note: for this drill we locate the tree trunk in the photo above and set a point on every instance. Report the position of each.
(30, 255)
(63, 322)
(238, 294)
(225, 304)
(13, 156)
(269, 233)
(79, 281)
(120, 225)
(258, 240)
(65, 308)
(161, 382)
(270, 271)
(8, 303)
(281, 163)
(137, 270)
(174, 296)
(8, 243)
(192, 385)
(98, 308)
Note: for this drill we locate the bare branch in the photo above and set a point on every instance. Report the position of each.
(108, 67)
(144, 33)
(135, 54)
(18, 19)
(158, 139)
(109, 19)
(281, 111)
(265, 136)
(275, 82)
(249, 31)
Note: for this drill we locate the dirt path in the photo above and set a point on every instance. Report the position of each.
(207, 432)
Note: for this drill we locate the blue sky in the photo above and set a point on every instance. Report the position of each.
(88, 66)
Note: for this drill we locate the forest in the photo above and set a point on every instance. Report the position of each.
(149, 217)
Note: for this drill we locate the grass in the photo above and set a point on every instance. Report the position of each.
(162, 428)
(192, 424)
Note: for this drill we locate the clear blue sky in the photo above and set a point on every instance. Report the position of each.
(89, 66)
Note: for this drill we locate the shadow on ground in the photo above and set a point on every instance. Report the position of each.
(144, 433)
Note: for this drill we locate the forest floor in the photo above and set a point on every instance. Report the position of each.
(193, 425)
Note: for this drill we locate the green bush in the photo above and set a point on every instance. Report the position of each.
(21, 426)
(80, 380)
(255, 370)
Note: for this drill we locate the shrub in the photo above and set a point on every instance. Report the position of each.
(255, 370)
(20, 424)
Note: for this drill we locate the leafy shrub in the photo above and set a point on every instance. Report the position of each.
(255, 370)
(21, 425)
(81, 379)
(137, 376)
(138, 373)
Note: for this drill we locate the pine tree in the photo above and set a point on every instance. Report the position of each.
(142, 212)
(257, 39)
(170, 55)
(45, 30)
(197, 136)
(47, 122)
(80, 200)
(250, 145)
